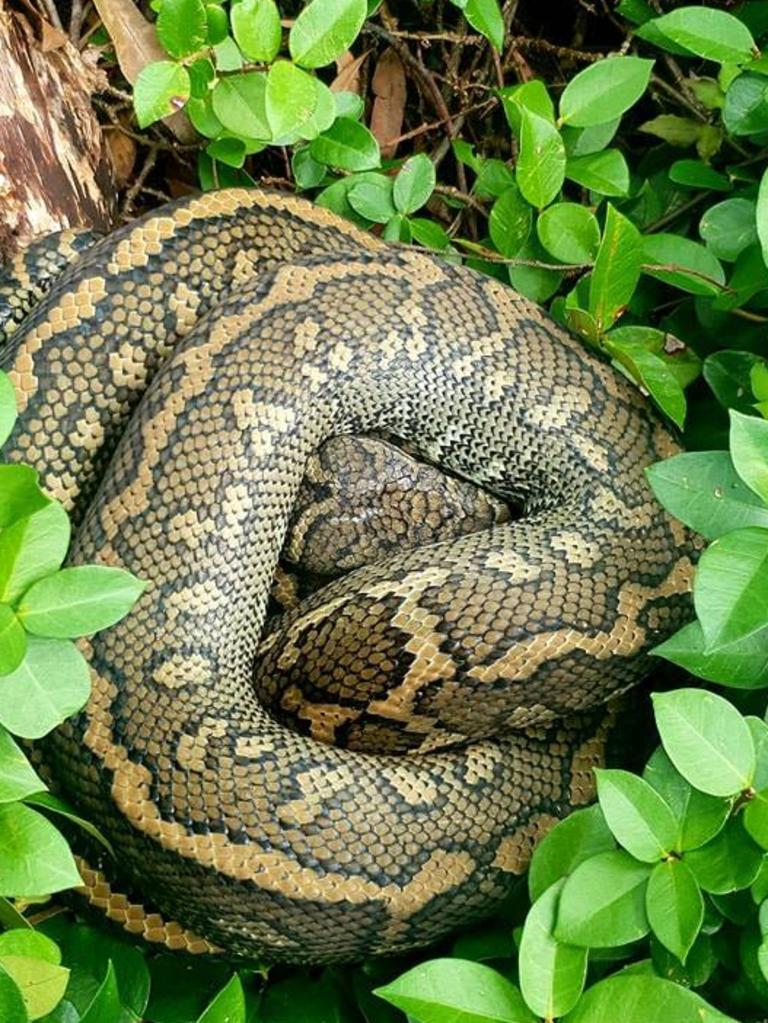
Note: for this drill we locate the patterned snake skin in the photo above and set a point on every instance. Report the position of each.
(172, 386)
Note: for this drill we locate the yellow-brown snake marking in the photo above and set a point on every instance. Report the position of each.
(174, 385)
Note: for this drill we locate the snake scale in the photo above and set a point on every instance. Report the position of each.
(172, 386)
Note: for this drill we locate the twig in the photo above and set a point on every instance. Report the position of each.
(138, 184)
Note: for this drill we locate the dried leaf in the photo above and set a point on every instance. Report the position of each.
(51, 38)
(389, 106)
(348, 73)
(122, 153)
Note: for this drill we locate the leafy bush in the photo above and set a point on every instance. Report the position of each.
(633, 199)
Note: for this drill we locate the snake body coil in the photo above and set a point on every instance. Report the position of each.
(253, 327)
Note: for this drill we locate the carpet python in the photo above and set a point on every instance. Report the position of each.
(174, 384)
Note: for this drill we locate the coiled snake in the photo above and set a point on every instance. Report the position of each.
(253, 327)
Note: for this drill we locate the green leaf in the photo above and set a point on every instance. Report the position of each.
(79, 601)
(731, 589)
(756, 818)
(533, 282)
(729, 227)
(588, 141)
(707, 32)
(762, 215)
(728, 863)
(429, 234)
(728, 374)
(12, 1008)
(698, 817)
(228, 1006)
(675, 907)
(33, 944)
(217, 23)
(182, 26)
(743, 664)
(540, 169)
(228, 55)
(307, 172)
(31, 548)
(17, 776)
(697, 174)
(240, 103)
(161, 88)
(510, 222)
(580, 836)
(603, 902)
(52, 682)
(569, 232)
(256, 28)
(41, 983)
(228, 150)
(34, 857)
(702, 489)
(324, 29)
(617, 269)
(746, 105)
(605, 173)
(7, 407)
(485, 16)
(682, 263)
(57, 806)
(551, 974)
(643, 998)
(398, 229)
(346, 145)
(636, 814)
(654, 373)
(371, 197)
(414, 183)
(20, 493)
(604, 90)
(323, 114)
(13, 641)
(458, 990)
(105, 1006)
(348, 104)
(749, 451)
(706, 739)
(290, 100)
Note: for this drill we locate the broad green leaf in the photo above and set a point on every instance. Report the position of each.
(200, 112)
(240, 103)
(636, 814)
(347, 145)
(17, 776)
(728, 374)
(218, 23)
(729, 862)
(20, 493)
(540, 168)
(655, 374)
(371, 197)
(606, 172)
(458, 990)
(675, 906)
(105, 1006)
(729, 227)
(756, 818)
(414, 183)
(41, 983)
(510, 221)
(698, 817)
(161, 88)
(182, 26)
(762, 215)
(551, 974)
(604, 90)
(26, 942)
(707, 32)
(348, 104)
(534, 282)
(13, 641)
(617, 269)
(228, 1006)
(12, 1008)
(485, 16)
(290, 100)
(743, 664)
(52, 682)
(730, 591)
(256, 28)
(31, 548)
(532, 96)
(7, 407)
(307, 172)
(697, 174)
(703, 490)
(643, 998)
(759, 731)
(706, 739)
(34, 857)
(47, 801)
(746, 105)
(324, 29)
(749, 451)
(602, 903)
(682, 263)
(398, 229)
(79, 601)
(227, 150)
(588, 141)
(569, 232)
(580, 836)
(227, 54)
(322, 116)
(429, 234)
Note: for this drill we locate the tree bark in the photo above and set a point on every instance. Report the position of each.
(55, 170)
